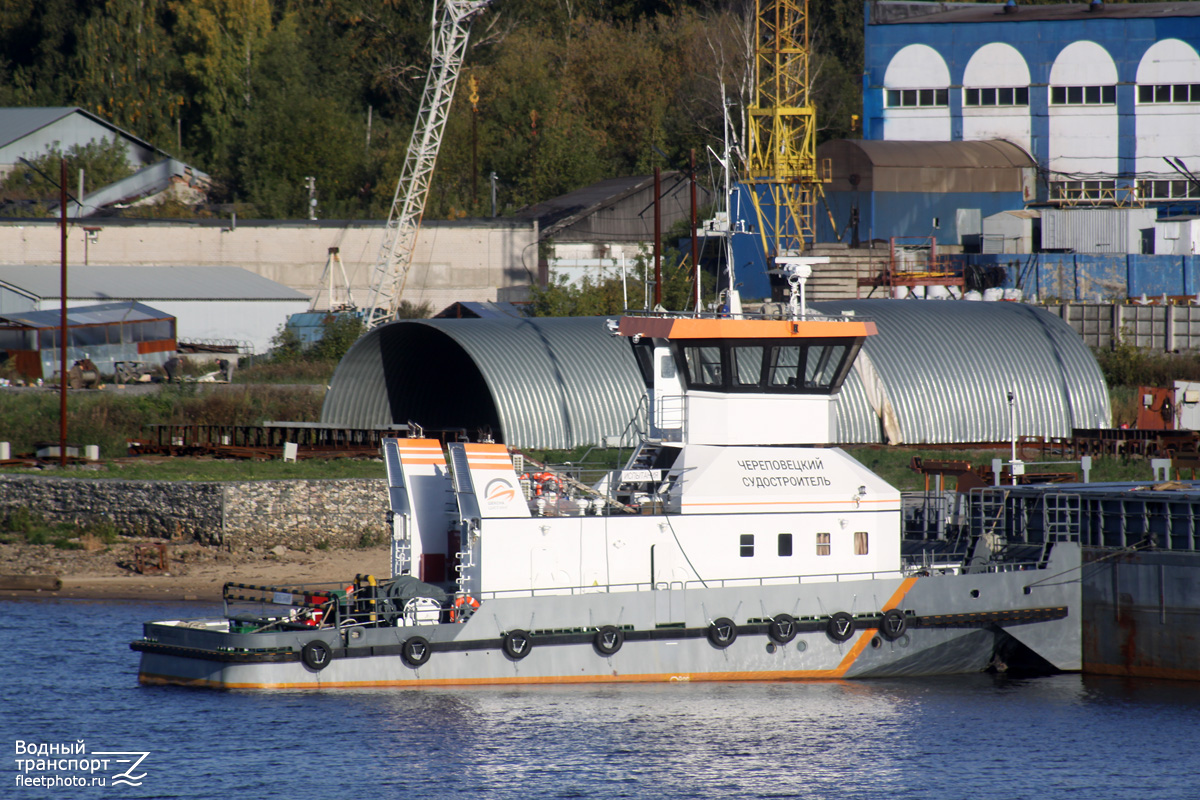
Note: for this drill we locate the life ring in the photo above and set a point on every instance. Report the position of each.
(893, 624)
(840, 626)
(544, 482)
(415, 651)
(464, 606)
(517, 644)
(316, 655)
(722, 632)
(782, 628)
(608, 639)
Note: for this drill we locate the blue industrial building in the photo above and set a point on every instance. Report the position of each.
(1084, 105)
(1098, 94)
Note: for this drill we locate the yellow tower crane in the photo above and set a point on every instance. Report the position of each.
(781, 166)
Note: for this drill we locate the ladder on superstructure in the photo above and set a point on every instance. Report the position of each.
(451, 30)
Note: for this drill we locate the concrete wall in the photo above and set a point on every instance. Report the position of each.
(454, 261)
(233, 513)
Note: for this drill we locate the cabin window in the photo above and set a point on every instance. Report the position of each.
(747, 545)
(666, 367)
(747, 365)
(822, 364)
(784, 366)
(785, 544)
(822, 544)
(704, 365)
(860, 543)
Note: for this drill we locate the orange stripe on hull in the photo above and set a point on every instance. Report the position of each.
(869, 633)
(664, 677)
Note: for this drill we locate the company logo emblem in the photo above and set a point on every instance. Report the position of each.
(500, 492)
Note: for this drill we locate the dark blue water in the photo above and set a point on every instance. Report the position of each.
(69, 675)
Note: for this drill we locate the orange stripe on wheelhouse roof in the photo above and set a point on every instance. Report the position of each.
(691, 328)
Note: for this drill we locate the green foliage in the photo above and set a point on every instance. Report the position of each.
(263, 93)
(340, 331)
(109, 419)
(606, 294)
(32, 190)
(1126, 365)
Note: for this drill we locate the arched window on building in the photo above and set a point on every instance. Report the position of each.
(1168, 111)
(916, 102)
(1083, 125)
(996, 96)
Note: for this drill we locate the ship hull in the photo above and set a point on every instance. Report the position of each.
(952, 623)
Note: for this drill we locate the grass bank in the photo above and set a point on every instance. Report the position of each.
(109, 419)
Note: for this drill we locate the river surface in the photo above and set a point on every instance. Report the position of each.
(70, 677)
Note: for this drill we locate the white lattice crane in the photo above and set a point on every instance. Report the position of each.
(451, 29)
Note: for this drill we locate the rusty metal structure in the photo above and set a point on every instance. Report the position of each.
(259, 442)
(913, 261)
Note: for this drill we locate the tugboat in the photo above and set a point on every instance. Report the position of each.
(732, 546)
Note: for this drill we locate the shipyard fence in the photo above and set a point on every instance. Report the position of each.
(1168, 328)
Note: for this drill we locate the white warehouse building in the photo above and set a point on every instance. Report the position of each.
(214, 305)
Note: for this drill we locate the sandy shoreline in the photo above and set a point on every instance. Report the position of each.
(194, 572)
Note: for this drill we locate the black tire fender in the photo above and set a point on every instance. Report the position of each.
(608, 639)
(892, 624)
(722, 632)
(840, 626)
(517, 644)
(316, 655)
(782, 628)
(415, 651)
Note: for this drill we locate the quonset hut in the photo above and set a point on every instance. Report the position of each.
(937, 373)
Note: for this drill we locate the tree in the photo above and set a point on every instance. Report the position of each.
(33, 190)
(126, 71)
(219, 41)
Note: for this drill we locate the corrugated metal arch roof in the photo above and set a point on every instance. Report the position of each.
(948, 365)
(562, 383)
(541, 382)
(911, 166)
(946, 155)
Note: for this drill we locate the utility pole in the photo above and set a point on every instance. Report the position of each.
(695, 247)
(657, 237)
(311, 182)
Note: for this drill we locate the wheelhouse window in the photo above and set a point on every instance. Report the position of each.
(860, 543)
(785, 545)
(703, 365)
(747, 365)
(783, 366)
(816, 366)
(822, 363)
(747, 545)
(822, 544)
